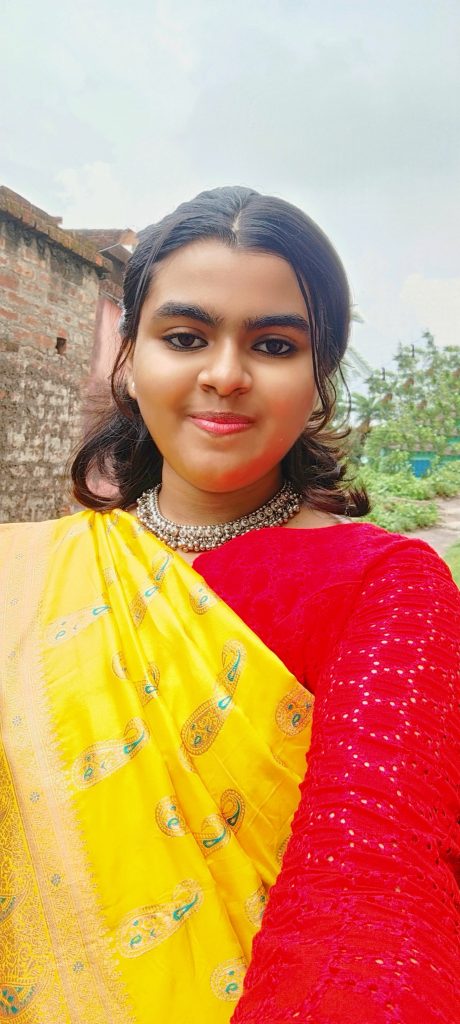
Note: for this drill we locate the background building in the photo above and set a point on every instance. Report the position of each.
(59, 308)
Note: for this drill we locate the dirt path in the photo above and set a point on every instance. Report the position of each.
(447, 531)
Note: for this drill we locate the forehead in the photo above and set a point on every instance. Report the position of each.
(226, 280)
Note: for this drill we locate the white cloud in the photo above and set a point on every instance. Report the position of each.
(115, 113)
(436, 304)
(91, 196)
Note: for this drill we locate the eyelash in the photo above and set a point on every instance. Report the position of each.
(168, 338)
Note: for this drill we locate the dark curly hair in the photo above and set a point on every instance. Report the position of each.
(118, 449)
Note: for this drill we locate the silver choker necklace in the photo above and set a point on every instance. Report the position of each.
(283, 506)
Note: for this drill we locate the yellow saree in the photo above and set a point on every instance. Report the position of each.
(151, 750)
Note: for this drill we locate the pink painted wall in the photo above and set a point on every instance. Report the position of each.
(106, 340)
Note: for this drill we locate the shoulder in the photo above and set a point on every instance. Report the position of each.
(406, 585)
(307, 560)
(331, 539)
(42, 525)
(359, 542)
(347, 544)
(13, 535)
(16, 537)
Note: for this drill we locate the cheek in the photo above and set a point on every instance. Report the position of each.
(157, 387)
(295, 405)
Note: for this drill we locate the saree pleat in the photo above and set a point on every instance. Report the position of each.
(152, 748)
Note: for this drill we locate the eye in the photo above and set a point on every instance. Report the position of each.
(275, 347)
(184, 341)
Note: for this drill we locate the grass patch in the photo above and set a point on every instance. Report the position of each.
(452, 557)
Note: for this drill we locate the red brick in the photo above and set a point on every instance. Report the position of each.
(8, 314)
(8, 281)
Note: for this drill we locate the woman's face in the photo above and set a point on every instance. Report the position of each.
(222, 366)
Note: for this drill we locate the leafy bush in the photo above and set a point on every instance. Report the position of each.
(402, 502)
(401, 516)
(401, 484)
(446, 479)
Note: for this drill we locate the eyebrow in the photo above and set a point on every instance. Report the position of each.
(192, 312)
(278, 320)
(189, 312)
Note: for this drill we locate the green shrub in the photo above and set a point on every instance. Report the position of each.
(403, 484)
(402, 502)
(446, 479)
(401, 516)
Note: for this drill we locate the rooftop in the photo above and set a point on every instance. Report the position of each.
(16, 207)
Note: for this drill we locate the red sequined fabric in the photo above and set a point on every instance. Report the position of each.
(363, 923)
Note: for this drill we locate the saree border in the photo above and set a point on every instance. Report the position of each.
(80, 979)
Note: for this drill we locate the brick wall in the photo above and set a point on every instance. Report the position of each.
(49, 289)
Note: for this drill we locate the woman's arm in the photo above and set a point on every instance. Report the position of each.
(363, 923)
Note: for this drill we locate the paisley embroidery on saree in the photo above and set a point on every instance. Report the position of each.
(154, 781)
(150, 926)
(201, 729)
(103, 759)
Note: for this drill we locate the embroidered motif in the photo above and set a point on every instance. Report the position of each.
(137, 528)
(111, 520)
(233, 661)
(15, 998)
(170, 818)
(232, 808)
(201, 729)
(202, 598)
(255, 905)
(110, 575)
(66, 628)
(146, 687)
(102, 759)
(8, 903)
(294, 711)
(143, 929)
(214, 834)
(227, 979)
(151, 586)
(137, 609)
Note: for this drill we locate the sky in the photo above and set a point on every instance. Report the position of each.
(112, 113)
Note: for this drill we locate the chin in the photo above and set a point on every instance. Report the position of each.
(219, 486)
(228, 483)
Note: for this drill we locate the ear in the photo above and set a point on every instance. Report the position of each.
(131, 387)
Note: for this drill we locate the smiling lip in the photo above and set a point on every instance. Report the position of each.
(221, 422)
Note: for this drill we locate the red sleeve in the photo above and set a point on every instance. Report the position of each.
(363, 923)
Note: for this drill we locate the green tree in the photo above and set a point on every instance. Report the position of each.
(415, 407)
(354, 371)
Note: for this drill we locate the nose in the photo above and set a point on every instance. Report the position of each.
(225, 369)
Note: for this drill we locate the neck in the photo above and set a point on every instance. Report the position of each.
(185, 504)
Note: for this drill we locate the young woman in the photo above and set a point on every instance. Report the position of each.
(171, 655)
